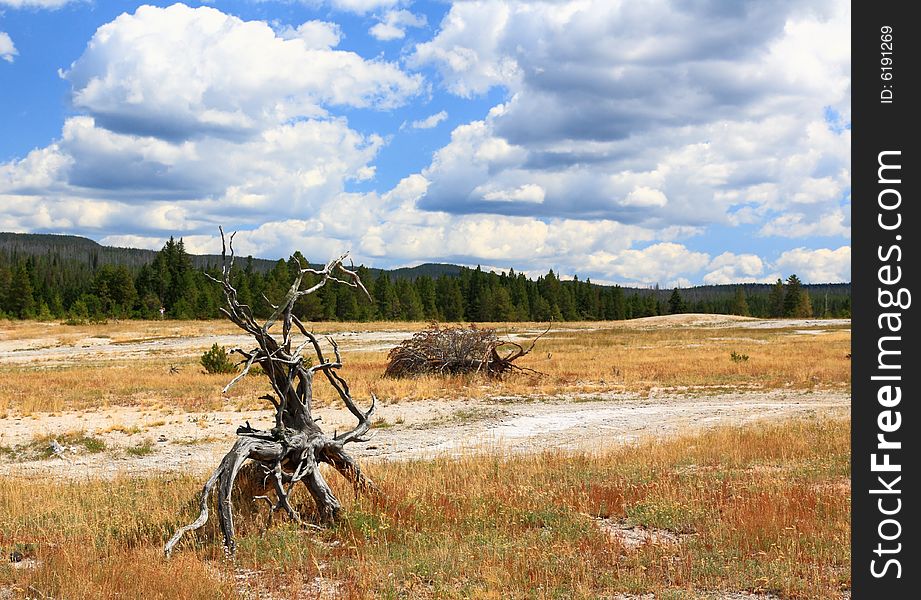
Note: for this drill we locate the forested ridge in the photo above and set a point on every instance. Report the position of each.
(76, 279)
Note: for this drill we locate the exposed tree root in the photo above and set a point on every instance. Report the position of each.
(289, 453)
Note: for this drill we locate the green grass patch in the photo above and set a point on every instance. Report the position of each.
(142, 449)
(41, 446)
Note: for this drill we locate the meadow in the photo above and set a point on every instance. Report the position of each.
(635, 356)
(760, 508)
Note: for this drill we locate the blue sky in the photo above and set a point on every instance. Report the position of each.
(661, 141)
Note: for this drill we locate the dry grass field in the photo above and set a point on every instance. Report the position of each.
(575, 357)
(759, 509)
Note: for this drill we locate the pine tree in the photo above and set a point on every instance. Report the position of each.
(739, 304)
(366, 307)
(676, 303)
(542, 310)
(776, 299)
(590, 301)
(276, 284)
(328, 297)
(410, 305)
(518, 289)
(650, 307)
(792, 299)
(803, 308)
(346, 304)
(20, 302)
(450, 298)
(309, 307)
(618, 306)
(114, 287)
(473, 297)
(634, 306)
(5, 279)
(549, 288)
(567, 303)
(388, 303)
(503, 309)
(425, 288)
(173, 279)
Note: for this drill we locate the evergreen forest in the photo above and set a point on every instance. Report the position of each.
(75, 279)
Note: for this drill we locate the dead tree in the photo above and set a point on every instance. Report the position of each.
(290, 452)
(457, 350)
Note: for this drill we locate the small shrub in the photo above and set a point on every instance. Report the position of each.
(43, 446)
(738, 358)
(142, 449)
(92, 445)
(216, 360)
(381, 423)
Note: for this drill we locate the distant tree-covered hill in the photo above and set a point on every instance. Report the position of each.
(92, 253)
(70, 277)
(86, 251)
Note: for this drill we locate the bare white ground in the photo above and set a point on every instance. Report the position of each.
(184, 442)
(53, 350)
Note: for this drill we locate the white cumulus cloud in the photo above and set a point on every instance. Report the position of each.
(798, 225)
(644, 196)
(528, 192)
(657, 113)
(194, 118)
(315, 34)
(178, 72)
(7, 48)
(822, 265)
(362, 6)
(664, 263)
(48, 4)
(431, 121)
(394, 23)
(737, 268)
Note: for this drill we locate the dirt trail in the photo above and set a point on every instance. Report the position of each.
(183, 442)
(588, 423)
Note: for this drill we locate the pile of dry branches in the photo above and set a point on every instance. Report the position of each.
(457, 350)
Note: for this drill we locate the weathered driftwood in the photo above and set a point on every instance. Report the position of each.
(290, 452)
(457, 350)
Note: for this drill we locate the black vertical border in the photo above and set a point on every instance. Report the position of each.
(877, 127)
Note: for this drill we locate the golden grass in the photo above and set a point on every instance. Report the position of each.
(619, 358)
(145, 383)
(137, 330)
(768, 506)
(575, 358)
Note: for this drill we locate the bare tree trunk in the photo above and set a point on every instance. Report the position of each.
(290, 452)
